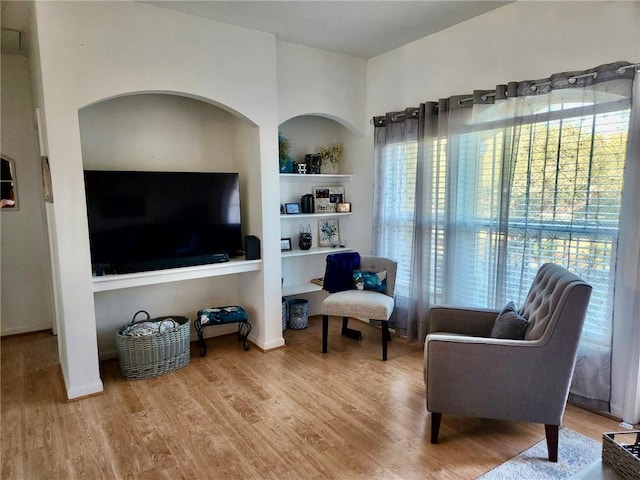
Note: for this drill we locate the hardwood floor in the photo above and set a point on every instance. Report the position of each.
(289, 413)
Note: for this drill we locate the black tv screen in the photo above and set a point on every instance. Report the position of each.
(142, 221)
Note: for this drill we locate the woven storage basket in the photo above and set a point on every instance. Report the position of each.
(621, 451)
(150, 355)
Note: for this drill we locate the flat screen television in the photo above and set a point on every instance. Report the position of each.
(141, 221)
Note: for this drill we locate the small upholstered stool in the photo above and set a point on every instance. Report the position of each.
(221, 316)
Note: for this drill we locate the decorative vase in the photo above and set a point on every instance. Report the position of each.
(286, 166)
(329, 167)
(306, 239)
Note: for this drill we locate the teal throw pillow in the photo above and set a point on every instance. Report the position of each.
(376, 281)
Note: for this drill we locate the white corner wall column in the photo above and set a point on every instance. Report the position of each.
(91, 51)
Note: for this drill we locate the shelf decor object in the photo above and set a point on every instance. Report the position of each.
(306, 239)
(285, 244)
(326, 198)
(284, 147)
(314, 162)
(328, 233)
(330, 158)
(292, 208)
(343, 207)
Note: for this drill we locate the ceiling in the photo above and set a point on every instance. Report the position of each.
(363, 28)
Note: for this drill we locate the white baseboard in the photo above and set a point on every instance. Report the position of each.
(84, 390)
(25, 329)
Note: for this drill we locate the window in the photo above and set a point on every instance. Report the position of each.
(556, 199)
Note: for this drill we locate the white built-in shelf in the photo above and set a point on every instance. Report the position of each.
(115, 282)
(317, 215)
(316, 177)
(314, 251)
(289, 290)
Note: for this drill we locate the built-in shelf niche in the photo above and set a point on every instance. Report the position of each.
(171, 132)
(307, 134)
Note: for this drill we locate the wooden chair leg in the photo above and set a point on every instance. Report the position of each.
(385, 338)
(325, 332)
(551, 432)
(435, 426)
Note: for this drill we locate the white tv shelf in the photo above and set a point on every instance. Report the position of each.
(115, 282)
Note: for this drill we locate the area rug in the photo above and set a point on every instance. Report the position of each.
(575, 452)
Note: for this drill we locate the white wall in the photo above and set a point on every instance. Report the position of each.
(91, 51)
(26, 275)
(520, 41)
(156, 131)
(314, 83)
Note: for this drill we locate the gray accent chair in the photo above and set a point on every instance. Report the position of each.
(365, 304)
(526, 380)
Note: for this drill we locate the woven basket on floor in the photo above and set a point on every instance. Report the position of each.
(621, 451)
(150, 355)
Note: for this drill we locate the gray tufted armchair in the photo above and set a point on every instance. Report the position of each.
(468, 373)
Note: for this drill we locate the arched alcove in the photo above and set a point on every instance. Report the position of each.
(308, 133)
(164, 131)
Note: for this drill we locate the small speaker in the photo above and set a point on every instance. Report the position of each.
(252, 247)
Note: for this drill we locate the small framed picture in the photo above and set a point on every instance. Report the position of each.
(343, 207)
(292, 208)
(328, 233)
(285, 244)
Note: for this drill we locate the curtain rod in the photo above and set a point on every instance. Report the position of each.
(572, 79)
(622, 69)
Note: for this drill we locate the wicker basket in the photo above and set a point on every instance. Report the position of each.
(150, 355)
(621, 451)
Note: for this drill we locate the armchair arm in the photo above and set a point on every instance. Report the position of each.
(471, 376)
(476, 322)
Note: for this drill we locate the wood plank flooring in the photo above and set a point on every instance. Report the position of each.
(291, 413)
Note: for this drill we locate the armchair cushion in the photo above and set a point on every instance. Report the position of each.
(509, 324)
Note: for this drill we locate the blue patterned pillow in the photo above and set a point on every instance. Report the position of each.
(376, 281)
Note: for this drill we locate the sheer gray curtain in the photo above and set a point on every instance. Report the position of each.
(475, 192)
